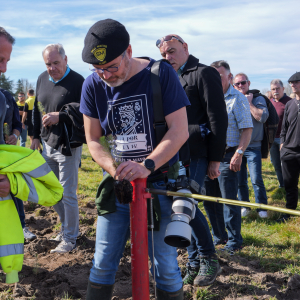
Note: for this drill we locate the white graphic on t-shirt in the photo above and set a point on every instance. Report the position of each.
(131, 128)
(129, 139)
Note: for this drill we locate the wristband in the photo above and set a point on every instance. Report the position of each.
(15, 135)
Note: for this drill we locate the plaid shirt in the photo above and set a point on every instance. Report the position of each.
(239, 115)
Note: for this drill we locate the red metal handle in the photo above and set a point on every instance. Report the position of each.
(139, 240)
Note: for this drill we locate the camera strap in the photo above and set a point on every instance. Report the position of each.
(160, 125)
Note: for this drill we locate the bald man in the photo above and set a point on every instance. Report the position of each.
(208, 121)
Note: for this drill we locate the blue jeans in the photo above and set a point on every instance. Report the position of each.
(223, 216)
(201, 241)
(112, 234)
(23, 137)
(66, 170)
(21, 212)
(275, 159)
(252, 157)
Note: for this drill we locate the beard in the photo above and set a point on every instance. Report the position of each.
(115, 81)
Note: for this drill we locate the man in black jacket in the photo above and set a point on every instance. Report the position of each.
(56, 87)
(207, 120)
(290, 147)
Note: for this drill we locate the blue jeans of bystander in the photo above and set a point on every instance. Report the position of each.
(201, 242)
(223, 216)
(252, 157)
(23, 137)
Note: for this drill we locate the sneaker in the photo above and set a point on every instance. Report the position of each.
(231, 250)
(220, 242)
(284, 218)
(209, 270)
(58, 238)
(28, 235)
(190, 275)
(263, 214)
(245, 211)
(64, 247)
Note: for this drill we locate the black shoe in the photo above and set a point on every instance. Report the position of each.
(190, 275)
(163, 295)
(283, 218)
(209, 270)
(99, 291)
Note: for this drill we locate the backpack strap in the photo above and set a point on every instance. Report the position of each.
(159, 124)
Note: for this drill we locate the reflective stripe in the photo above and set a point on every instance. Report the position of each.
(40, 171)
(33, 195)
(6, 198)
(11, 249)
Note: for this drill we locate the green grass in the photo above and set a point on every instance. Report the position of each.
(275, 246)
(90, 175)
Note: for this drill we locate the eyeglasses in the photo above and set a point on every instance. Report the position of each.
(294, 82)
(21, 96)
(241, 83)
(166, 38)
(109, 69)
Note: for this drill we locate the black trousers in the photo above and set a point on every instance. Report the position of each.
(290, 172)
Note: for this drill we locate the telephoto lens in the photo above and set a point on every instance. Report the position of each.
(179, 232)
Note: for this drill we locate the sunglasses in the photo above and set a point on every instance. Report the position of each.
(241, 83)
(166, 38)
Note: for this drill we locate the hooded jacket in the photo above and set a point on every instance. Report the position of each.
(31, 179)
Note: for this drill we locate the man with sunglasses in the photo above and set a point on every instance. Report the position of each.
(207, 119)
(117, 100)
(56, 87)
(290, 147)
(252, 155)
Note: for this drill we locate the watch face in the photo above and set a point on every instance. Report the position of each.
(240, 151)
(149, 164)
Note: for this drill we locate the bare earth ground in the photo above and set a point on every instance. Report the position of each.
(48, 276)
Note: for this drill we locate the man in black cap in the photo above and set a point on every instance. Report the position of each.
(117, 100)
(290, 146)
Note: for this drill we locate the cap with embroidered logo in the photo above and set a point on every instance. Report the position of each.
(105, 41)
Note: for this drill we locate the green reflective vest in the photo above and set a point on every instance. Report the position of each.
(31, 179)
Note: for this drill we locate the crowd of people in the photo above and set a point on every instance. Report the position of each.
(222, 119)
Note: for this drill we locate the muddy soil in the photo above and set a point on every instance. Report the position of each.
(48, 276)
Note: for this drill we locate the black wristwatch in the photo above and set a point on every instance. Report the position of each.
(149, 164)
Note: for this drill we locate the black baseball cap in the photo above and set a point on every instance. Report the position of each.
(294, 77)
(105, 41)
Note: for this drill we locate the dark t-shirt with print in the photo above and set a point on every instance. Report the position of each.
(126, 111)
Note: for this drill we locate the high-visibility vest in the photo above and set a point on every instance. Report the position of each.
(30, 179)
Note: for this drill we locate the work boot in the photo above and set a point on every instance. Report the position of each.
(209, 270)
(190, 275)
(96, 291)
(163, 295)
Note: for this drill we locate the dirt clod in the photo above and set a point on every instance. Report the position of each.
(123, 190)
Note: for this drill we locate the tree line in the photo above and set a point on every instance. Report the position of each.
(22, 85)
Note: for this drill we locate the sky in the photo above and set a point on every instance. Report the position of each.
(260, 38)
